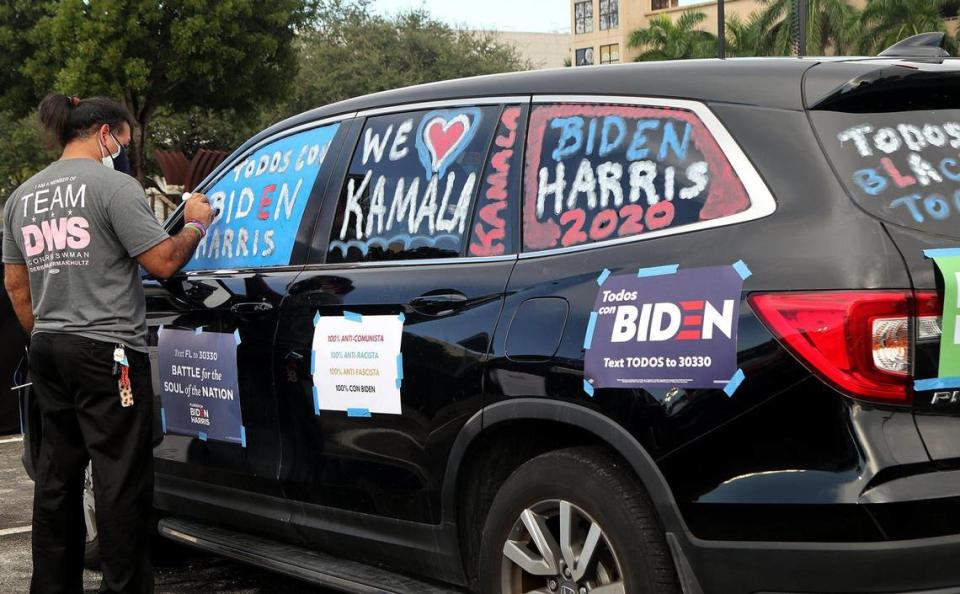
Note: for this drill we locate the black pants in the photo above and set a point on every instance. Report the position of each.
(83, 420)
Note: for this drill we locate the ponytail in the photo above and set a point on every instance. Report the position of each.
(66, 118)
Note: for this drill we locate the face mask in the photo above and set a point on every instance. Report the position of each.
(117, 160)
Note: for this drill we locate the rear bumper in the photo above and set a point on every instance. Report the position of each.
(921, 566)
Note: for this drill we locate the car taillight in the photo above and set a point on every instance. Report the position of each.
(858, 341)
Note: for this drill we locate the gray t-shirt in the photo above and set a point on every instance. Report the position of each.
(79, 226)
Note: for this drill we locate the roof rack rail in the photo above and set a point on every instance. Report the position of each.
(924, 45)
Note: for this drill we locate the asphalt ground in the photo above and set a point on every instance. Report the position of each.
(177, 571)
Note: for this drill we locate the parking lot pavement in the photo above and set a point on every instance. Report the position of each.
(184, 572)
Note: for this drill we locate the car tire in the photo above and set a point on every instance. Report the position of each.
(565, 504)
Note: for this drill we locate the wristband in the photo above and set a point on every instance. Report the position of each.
(198, 226)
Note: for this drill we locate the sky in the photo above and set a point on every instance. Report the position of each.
(501, 15)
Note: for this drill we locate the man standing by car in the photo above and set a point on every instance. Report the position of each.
(74, 235)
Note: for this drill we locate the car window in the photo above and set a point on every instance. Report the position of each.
(262, 199)
(602, 172)
(901, 166)
(497, 213)
(411, 185)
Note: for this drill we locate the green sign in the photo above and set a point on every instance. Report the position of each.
(950, 341)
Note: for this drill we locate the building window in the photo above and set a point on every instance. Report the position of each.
(583, 12)
(585, 56)
(662, 4)
(609, 14)
(610, 54)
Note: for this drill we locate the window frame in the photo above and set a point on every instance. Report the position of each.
(321, 233)
(608, 14)
(609, 61)
(762, 202)
(577, 19)
(583, 49)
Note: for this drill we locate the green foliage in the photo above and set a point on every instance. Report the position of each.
(197, 128)
(351, 51)
(830, 24)
(886, 22)
(179, 54)
(745, 38)
(21, 153)
(663, 39)
(16, 89)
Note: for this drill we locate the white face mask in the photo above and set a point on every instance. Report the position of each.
(108, 160)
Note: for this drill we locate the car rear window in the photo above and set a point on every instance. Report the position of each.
(598, 172)
(901, 166)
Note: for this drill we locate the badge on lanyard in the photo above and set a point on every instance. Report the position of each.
(126, 391)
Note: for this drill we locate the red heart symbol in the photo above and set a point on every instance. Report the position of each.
(443, 136)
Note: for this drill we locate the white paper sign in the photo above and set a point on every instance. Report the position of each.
(357, 365)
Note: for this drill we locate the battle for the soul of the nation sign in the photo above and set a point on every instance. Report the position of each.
(198, 385)
(665, 327)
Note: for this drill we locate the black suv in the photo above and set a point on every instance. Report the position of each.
(628, 329)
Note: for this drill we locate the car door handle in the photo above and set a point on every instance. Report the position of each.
(439, 303)
(248, 308)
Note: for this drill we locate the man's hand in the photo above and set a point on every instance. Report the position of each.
(169, 256)
(197, 208)
(16, 279)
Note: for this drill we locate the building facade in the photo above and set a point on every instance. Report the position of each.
(600, 29)
(543, 50)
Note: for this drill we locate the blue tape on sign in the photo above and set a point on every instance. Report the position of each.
(591, 326)
(400, 366)
(236, 335)
(163, 420)
(316, 319)
(313, 362)
(734, 383)
(937, 383)
(352, 316)
(243, 436)
(941, 253)
(603, 277)
(358, 412)
(198, 331)
(399, 383)
(657, 270)
(202, 435)
(588, 388)
(316, 401)
(401, 317)
(741, 267)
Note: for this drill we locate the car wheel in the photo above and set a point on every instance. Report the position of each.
(574, 521)
(91, 554)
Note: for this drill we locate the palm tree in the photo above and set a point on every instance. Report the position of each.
(745, 37)
(886, 22)
(663, 39)
(830, 24)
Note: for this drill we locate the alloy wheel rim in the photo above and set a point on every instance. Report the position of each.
(555, 547)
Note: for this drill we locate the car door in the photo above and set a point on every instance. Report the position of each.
(213, 326)
(629, 208)
(382, 341)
